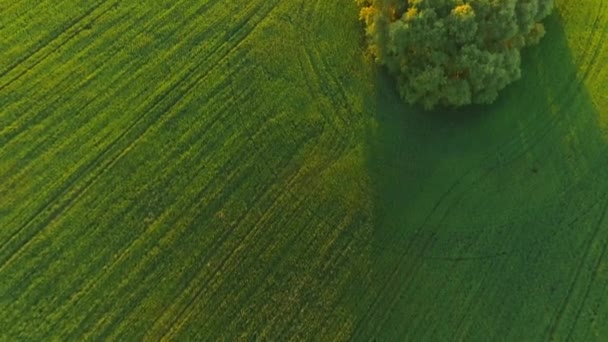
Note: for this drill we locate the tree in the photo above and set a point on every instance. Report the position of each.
(452, 52)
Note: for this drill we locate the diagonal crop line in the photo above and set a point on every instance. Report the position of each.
(568, 298)
(71, 27)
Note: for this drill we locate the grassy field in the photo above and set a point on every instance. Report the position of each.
(206, 169)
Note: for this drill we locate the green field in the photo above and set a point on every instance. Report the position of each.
(197, 170)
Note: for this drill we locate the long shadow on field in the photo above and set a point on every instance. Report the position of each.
(488, 221)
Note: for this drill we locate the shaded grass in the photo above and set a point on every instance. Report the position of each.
(487, 223)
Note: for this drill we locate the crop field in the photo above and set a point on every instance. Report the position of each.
(203, 170)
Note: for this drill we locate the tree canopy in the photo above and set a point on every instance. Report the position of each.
(452, 52)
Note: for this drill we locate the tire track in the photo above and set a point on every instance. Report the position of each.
(183, 315)
(566, 302)
(470, 172)
(123, 255)
(471, 301)
(241, 38)
(426, 245)
(125, 133)
(295, 294)
(296, 239)
(188, 310)
(407, 251)
(591, 281)
(539, 134)
(33, 115)
(596, 43)
(332, 266)
(460, 180)
(143, 28)
(144, 263)
(142, 291)
(249, 294)
(84, 245)
(45, 40)
(6, 137)
(128, 252)
(435, 229)
(71, 26)
(315, 168)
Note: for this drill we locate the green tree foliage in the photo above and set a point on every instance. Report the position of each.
(452, 52)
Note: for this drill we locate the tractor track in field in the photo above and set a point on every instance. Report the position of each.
(293, 239)
(337, 152)
(48, 40)
(40, 115)
(592, 47)
(23, 169)
(407, 251)
(328, 83)
(255, 25)
(102, 156)
(188, 309)
(593, 43)
(567, 95)
(414, 267)
(140, 28)
(290, 240)
(335, 263)
(217, 63)
(319, 74)
(129, 250)
(556, 321)
(460, 183)
(470, 302)
(140, 291)
(125, 251)
(70, 36)
(596, 268)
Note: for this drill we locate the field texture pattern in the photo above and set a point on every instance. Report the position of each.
(206, 169)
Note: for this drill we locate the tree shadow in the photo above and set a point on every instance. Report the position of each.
(484, 217)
